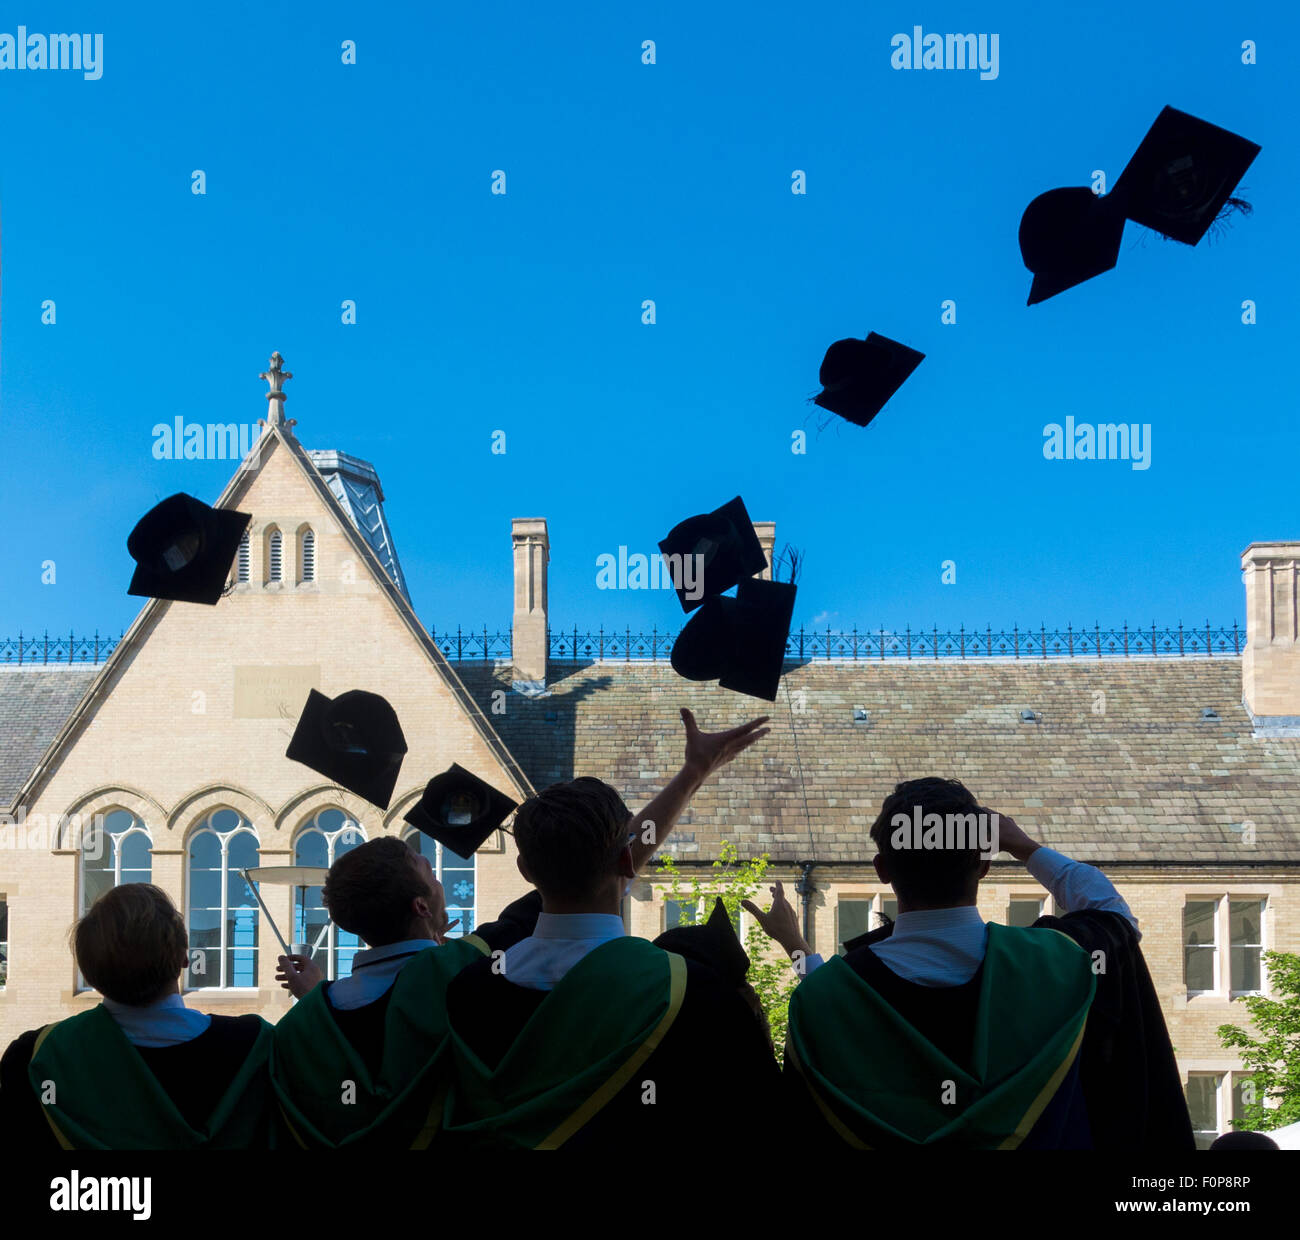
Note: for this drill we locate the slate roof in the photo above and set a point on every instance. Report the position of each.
(1147, 781)
(34, 702)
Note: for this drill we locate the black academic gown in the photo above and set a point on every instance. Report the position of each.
(194, 1075)
(364, 1026)
(715, 1060)
(1126, 1074)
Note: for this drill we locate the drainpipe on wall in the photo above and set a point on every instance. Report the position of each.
(805, 888)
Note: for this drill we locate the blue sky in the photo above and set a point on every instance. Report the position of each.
(628, 182)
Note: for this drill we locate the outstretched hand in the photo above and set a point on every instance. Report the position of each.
(780, 923)
(707, 751)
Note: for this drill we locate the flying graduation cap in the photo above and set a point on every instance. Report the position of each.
(859, 376)
(459, 810)
(1182, 175)
(727, 544)
(353, 739)
(740, 641)
(714, 943)
(183, 550)
(1068, 236)
(1179, 181)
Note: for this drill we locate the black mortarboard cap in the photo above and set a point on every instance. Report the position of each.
(713, 943)
(1068, 236)
(460, 810)
(739, 642)
(859, 376)
(1182, 174)
(726, 540)
(183, 550)
(353, 739)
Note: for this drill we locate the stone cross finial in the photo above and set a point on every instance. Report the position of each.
(275, 375)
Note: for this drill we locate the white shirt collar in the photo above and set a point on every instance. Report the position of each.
(164, 1022)
(926, 921)
(579, 926)
(373, 955)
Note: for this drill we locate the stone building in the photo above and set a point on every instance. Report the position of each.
(1180, 776)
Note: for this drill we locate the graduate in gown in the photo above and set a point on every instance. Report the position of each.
(582, 1037)
(940, 1029)
(355, 1062)
(140, 1070)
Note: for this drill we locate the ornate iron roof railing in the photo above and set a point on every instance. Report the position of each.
(22, 650)
(803, 645)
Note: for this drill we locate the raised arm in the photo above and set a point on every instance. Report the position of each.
(706, 752)
(1075, 886)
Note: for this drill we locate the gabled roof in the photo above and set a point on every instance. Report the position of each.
(276, 435)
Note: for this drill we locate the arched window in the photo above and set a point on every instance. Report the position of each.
(275, 560)
(308, 556)
(322, 841)
(242, 563)
(115, 848)
(222, 910)
(457, 876)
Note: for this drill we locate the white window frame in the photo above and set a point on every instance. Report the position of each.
(137, 827)
(1220, 905)
(312, 827)
(1222, 899)
(244, 559)
(1262, 901)
(461, 930)
(1016, 897)
(1223, 1076)
(306, 542)
(4, 942)
(274, 556)
(245, 828)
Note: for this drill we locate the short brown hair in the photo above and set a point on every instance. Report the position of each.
(131, 946)
(370, 888)
(934, 876)
(569, 835)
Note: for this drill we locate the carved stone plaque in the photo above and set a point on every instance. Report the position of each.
(273, 692)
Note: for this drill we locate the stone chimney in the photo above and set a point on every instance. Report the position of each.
(1270, 667)
(766, 531)
(532, 554)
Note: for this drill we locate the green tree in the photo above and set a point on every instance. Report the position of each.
(770, 973)
(1274, 1058)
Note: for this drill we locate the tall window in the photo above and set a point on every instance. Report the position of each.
(222, 912)
(242, 561)
(1210, 925)
(321, 842)
(115, 849)
(457, 876)
(4, 942)
(1245, 920)
(275, 559)
(1023, 911)
(1216, 1102)
(308, 556)
(852, 918)
(888, 910)
(1203, 1090)
(1200, 952)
